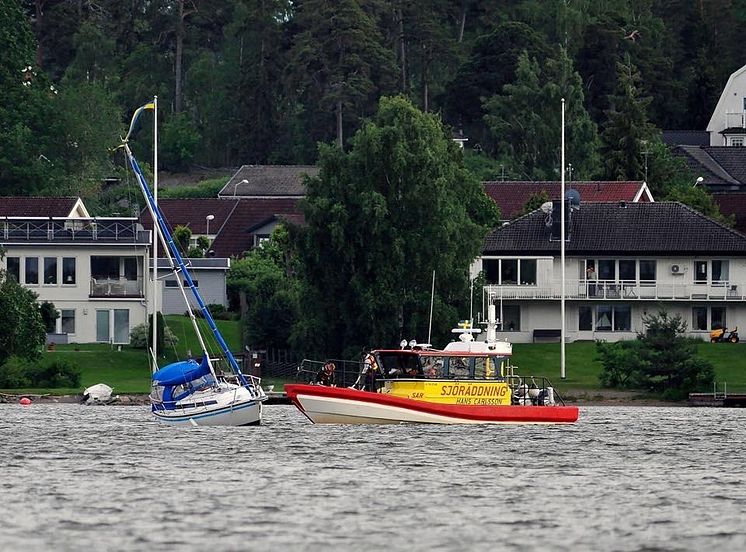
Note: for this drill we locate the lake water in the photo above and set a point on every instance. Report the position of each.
(622, 478)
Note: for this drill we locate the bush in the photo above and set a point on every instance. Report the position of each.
(49, 314)
(140, 336)
(59, 373)
(218, 312)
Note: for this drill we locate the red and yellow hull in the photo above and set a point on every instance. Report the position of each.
(340, 405)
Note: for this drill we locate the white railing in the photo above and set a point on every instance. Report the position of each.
(627, 290)
(116, 287)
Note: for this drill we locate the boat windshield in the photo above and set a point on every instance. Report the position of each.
(413, 364)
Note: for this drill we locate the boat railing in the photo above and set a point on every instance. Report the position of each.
(533, 390)
(346, 372)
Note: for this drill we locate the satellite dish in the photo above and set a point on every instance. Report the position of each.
(547, 207)
(573, 196)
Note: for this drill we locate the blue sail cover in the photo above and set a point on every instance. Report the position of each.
(181, 372)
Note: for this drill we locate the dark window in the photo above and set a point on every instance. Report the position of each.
(528, 272)
(105, 267)
(68, 270)
(14, 267)
(717, 315)
(491, 269)
(647, 271)
(195, 282)
(172, 283)
(585, 318)
(699, 318)
(627, 270)
(607, 269)
(68, 321)
(700, 272)
(720, 271)
(622, 318)
(50, 270)
(509, 271)
(32, 270)
(511, 318)
(603, 319)
(130, 268)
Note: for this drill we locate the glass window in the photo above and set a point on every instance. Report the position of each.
(736, 141)
(195, 282)
(622, 318)
(699, 318)
(68, 270)
(121, 326)
(103, 268)
(130, 268)
(32, 270)
(700, 272)
(509, 271)
(458, 367)
(172, 283)
(720, 271)
(528, 272)
(603, 319)
(432, 367)
(511, 318)
(627, 270)
(491, 269)
(68, 321)
(102, 326)
(14, 267)
(607, 269)
(50, 270)
(585, 318)
(647, 271)
(717, 315)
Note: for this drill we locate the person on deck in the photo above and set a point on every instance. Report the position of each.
(371, 373)
(327, 376)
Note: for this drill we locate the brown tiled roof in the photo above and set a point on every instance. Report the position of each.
(235, 238)
(660, 228)
(269, 181)
(511, 196)
(36, 206)
(192, 213)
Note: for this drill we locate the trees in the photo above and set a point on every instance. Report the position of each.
(525, 120)
(21, 326)
(380, 219)
(661, 360)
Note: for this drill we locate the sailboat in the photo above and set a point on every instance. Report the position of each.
(191, 392)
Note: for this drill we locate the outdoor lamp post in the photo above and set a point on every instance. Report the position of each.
(208, 218)
(237, 184)
(698, 181)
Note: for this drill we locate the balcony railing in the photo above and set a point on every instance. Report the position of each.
(594, 290)
(72, 230)
(110, 287)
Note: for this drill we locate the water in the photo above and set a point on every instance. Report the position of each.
(110, 478)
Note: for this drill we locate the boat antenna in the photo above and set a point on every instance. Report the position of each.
(562, 248)
(471, 301)
(432, 298)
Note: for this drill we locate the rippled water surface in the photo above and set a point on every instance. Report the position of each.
(110, 478)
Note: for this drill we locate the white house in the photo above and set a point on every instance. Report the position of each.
(91, 269)
(727, 126)
(209, 276)
(644, 257)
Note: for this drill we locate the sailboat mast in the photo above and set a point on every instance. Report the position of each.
(168, 238)
(562, 248)
(155, 236)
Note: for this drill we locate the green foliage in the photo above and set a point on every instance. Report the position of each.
(662, 360)
(180, 140)
(49, 316)
(379, 220)
(206, 188)
(535, 201)
(21, 325)
(181, 236)
(48, 374)
(525, 120)
(142, 335)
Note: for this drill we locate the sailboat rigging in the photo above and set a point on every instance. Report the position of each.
(190, 392)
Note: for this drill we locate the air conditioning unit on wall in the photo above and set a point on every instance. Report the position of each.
(677, 269)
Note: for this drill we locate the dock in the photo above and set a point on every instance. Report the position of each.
(729, 400)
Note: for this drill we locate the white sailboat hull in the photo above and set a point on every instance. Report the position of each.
(230, 406)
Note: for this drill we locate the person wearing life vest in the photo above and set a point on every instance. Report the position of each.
(326, 375)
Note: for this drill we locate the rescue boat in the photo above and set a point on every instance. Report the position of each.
(467, 382)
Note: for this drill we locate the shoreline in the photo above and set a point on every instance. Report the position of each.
(574, 397)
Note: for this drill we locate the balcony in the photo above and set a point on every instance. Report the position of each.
(602, 290)
(61, 230)
(116, 288)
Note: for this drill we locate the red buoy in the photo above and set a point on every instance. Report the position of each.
(25, 401)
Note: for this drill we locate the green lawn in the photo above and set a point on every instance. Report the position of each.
(127, 370)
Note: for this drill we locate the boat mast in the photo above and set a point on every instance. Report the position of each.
(155, 236)
(168, 238)
(562, 249)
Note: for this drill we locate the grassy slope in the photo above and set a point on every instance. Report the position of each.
(127, 371)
